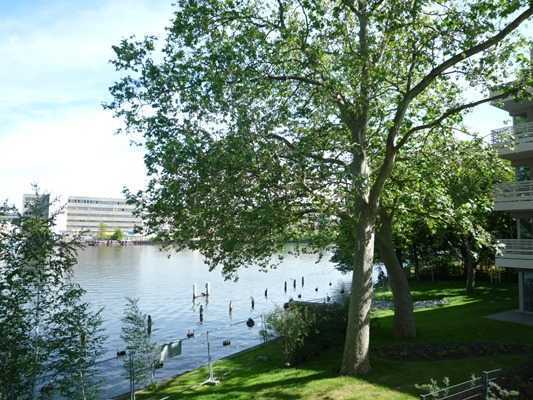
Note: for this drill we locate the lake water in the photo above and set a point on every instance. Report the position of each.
(163, 282)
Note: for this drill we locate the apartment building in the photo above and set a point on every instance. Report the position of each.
(88, 214)
(515, 143)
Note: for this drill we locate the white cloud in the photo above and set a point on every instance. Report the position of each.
(55, 74)
(76, 153)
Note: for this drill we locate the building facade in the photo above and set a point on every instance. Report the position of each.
(515, 143)
(91, 214)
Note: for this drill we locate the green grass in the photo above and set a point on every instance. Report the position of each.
(259, 374)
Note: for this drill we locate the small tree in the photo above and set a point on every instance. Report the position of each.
(78, 343)
(142, 353)
(118, 234)
(41, 311)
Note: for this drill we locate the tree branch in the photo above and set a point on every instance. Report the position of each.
(455, 59)
(450, 112)
(294, 149)
(391, 149)
(297, 78)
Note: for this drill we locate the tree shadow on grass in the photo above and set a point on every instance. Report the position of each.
(242, 380)
(439, 290)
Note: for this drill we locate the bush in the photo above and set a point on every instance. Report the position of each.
(293, 325)
(306, 329)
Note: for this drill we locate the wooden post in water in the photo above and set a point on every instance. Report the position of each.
(207, 289)
(194, 291)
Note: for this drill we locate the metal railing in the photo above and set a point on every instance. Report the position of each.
(513, 138)
(517, 193)
(474, 389)
(516, 247)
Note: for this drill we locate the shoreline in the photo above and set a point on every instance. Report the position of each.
(126, 395)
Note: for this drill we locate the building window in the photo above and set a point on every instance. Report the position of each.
(528, 291)
(522, 173)
(526, 228)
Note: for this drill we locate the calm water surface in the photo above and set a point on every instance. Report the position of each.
(163, 282)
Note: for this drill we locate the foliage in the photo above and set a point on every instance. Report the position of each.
(232, 122)
(311, 328)
(77, 342)
(434, 386)
(40, 310)
(142, 353)
(496, 392)
(293, 324)
(450, 198)
(117, 235)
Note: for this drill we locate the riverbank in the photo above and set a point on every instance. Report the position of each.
(260, 373)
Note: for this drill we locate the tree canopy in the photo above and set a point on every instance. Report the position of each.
(262, 119)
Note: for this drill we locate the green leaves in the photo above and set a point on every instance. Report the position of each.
(43, 316)
(267, 121)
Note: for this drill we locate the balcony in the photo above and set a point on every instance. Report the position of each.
(515, 253)
(514, 142)
(516, 196)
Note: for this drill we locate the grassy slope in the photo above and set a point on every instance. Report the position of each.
(461, 320)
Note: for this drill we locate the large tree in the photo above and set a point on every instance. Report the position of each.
(265, 118)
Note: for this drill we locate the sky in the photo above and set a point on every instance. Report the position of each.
(54, 77)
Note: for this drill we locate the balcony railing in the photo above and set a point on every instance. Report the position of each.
(514, 196)
(513, 138)
(517, 246)
(515, 253)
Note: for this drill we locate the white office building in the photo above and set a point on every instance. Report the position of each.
(88, 214)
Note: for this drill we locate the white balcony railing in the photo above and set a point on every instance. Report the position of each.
(515, 253)
(514, 196)
(513, 138)
(517, 247)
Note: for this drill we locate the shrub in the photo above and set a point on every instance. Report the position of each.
(293, 325)
(433, 387)
(306, 329)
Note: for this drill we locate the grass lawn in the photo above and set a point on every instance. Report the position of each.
(259, 374)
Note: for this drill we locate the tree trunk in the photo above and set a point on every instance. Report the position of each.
(356, 346)
(416, 261)
(469, 266)
(404, 319)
